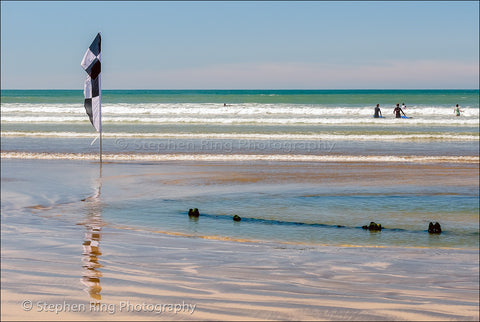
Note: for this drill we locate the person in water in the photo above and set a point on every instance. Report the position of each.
(378, 113)
(397, 110)
(457, 110)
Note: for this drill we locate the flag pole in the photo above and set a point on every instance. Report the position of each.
(100, 148)
(100, 119)
(100, 113)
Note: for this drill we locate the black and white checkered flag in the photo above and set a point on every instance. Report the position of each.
(92, 90)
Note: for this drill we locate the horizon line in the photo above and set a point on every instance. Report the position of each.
(239, 89)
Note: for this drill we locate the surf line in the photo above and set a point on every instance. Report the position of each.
(238, 157)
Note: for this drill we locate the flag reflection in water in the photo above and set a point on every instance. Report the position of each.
(91, 246)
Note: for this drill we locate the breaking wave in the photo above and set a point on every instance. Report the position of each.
(238, 157)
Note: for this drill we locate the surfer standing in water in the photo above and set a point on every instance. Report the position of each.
(378, 113)
(457, 110)
(397, 110)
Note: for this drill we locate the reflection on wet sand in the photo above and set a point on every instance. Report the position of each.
(90, 256)
(91, 246)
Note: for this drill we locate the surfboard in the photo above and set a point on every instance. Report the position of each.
(405, 117)
(380, 117)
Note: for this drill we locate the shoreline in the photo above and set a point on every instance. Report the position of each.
(237, 157)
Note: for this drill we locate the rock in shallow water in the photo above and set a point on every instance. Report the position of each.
(193, 212)
(373, 226)
(434, 228)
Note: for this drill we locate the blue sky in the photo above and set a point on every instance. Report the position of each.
(243, 45)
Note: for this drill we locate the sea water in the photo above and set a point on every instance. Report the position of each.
(241, 122)
(254, 129)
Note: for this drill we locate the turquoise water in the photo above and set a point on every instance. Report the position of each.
(325, 218)
(286, 202)
(466, 98)
(283, 124)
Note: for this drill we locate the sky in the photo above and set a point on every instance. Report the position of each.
(243, 44)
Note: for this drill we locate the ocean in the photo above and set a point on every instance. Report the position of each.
(241, 122)
(298, 166)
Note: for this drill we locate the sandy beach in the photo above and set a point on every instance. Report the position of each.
(275, 283)
(58, 264)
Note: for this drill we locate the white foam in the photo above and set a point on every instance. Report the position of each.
(239, 120)
(251, 136)
(43, 109)
(248, 113)
(239, 157)
(44, 119)
(234, 109)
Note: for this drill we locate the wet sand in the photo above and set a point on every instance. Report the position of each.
(59, 262)
(236, 281)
